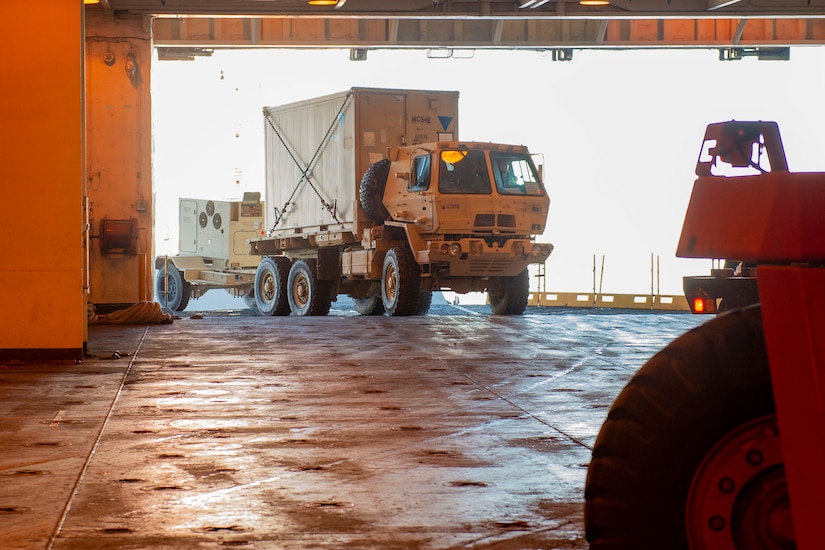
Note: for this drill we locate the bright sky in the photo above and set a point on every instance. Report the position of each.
(619, 131)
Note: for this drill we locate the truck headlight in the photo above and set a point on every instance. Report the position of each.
(518, 248)
(445, 248)
(541, 250)
(455, 250)
(476, 248)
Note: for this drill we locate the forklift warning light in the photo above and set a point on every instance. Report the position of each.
(704, 305)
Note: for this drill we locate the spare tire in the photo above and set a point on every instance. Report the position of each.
(371, 190)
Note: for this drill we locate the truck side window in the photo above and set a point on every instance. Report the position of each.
(421, 173)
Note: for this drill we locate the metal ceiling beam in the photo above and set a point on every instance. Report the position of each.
(483, 34)
(506, 24)
(444, 9)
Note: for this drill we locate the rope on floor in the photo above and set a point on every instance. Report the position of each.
(141, 313)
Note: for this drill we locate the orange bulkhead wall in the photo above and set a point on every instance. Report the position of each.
(118, 158)
(41, 229)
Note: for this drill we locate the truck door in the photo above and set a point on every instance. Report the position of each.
(420, 183)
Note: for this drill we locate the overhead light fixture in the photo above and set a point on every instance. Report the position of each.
(322, 2)
(594, 2)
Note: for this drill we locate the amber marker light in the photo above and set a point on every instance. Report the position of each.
(704, 305)
(322, 2)
(594, 2)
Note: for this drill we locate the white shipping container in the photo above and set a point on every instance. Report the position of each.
(317, 151)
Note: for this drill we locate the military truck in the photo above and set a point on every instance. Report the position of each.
(212, 246)
(370, 194)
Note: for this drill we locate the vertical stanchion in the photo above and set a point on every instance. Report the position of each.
(166, 281)
(594, 281)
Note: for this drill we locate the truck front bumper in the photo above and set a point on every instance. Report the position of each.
(469, 257)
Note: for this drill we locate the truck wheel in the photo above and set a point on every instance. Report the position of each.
(689, 456)
(400, 282)
(249, 299)
(371, 190)
(270, 286)
(425, 300)
(372, 305)
(508, 295)
(307, 294)
(178, 289)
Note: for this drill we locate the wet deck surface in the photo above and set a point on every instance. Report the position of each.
(454, 430)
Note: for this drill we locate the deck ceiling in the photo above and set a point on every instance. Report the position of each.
(479, 24)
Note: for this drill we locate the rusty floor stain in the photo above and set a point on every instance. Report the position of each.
(445, 431)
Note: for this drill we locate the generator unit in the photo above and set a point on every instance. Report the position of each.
(218, 231)
(212, 244)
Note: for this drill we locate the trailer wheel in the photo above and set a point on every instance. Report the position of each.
(307, 294)
(372, 305)
(173, 290)
(400, 283)
(371, 190)
(508, 295)
(689, 456)
(270, 286)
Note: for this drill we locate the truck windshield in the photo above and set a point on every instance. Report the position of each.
(463, 171)
(515, 174)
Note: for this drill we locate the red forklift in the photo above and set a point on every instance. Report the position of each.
(718, 441)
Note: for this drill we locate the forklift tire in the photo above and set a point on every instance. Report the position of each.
(369, 306)
(400, 282)
(307, 294)
(371, 191)
(689, 456)
(270, 286)
(508, 295)
(179, 290)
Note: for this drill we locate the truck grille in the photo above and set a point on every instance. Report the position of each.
(489, 220)
(506, 220)
(485, 220)
(492, 266)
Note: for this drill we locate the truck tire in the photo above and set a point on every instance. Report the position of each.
(400, 282)
(371, 190)
(372, 305)
(307, 294)
(179, 290)
(689, 456)
(425, 300)
(508, 295)
(249, 299)
(270, 286)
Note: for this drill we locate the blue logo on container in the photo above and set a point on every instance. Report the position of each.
(445, 121)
